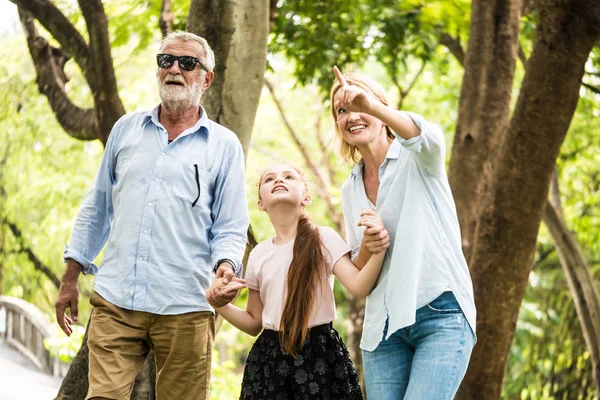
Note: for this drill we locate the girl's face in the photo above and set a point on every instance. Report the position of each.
(282, 184)
(358, 129)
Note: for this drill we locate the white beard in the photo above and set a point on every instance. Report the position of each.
(175, 97)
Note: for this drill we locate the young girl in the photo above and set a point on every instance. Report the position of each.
(298, 355)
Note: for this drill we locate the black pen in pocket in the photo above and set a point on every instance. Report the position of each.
(197, 184)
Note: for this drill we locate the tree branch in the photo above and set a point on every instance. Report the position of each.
(49, 64)
(453, 44)
(37, 263)
(543, 255)
(555, 194)
(322, 185)
(581, 284)
(400, 89)
(102, 81)
(590, 87)
(262, 150)
(166, 18)
(405, 93)
(321, 141)
(60, 28)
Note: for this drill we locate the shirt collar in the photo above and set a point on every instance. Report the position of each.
(203, 122)
(392, 153)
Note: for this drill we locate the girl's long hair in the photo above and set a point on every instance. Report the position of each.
(305, 275)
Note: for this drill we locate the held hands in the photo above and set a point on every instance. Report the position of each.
(225, 271)
(350, 98)
(376, 238)
(222, 290)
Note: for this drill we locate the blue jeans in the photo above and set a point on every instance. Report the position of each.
(424, 361)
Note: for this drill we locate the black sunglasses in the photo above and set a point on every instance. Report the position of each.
(186, 63)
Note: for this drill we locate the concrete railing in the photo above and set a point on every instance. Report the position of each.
(26, 327)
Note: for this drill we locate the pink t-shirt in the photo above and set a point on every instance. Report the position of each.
(267, 272)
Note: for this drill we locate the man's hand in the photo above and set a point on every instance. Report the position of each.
(68, 297)
(222, 292)
(225, 271)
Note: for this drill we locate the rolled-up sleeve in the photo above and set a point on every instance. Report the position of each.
(230, 211)
(429, 147)
(93, 222)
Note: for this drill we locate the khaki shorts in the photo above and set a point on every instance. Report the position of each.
(119, 341)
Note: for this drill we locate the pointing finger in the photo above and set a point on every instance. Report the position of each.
(339, 76)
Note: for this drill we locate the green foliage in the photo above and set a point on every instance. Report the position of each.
(549, 358)
(65, 347)
(579, 169)
(316, 34)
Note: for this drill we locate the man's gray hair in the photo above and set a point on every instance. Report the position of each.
(190, 37)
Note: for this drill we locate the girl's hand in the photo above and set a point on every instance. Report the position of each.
(220, 294)
(350, 98)
(376, 238)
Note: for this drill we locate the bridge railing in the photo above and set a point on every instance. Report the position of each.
(26, 327)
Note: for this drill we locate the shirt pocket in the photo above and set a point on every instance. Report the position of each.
(190, 185)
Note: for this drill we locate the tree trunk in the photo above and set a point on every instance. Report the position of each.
(75, 384)
(517, 183)
(107, 102)
(94, 60)
(581, 284)
(356, 308)
(144, 387)
(237, 31)
(484, 107)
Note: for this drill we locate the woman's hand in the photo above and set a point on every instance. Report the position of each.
(350, 98)
(375, 238)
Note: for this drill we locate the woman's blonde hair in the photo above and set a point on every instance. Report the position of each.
(348, 151)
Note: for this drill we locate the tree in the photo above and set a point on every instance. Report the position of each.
(501, 166)
(238, 34)
(577, 272)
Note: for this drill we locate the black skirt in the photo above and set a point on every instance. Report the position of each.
(323, 369)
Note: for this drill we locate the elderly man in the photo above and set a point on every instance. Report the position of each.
(170, 200)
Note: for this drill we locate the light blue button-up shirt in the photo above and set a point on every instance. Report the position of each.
(425, 255)
(170, 212)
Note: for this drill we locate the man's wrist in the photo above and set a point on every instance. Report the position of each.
(224, 260)
(72, 270)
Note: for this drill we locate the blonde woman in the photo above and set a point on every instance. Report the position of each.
(419, 327)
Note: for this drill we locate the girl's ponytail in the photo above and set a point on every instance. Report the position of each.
(305, 276)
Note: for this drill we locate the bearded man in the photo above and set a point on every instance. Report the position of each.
(170, 200)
